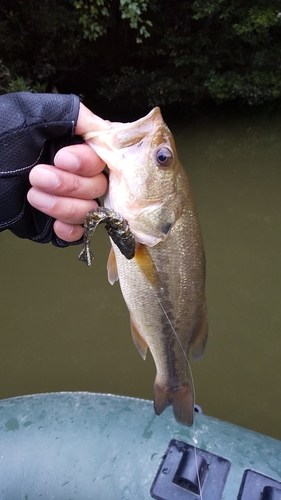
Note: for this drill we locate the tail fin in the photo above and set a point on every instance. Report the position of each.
(182, 400)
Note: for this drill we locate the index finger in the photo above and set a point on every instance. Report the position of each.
(79, 158)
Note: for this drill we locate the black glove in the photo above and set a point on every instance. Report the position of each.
(33, 128)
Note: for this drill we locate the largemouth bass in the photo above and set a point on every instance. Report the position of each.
(164, 283)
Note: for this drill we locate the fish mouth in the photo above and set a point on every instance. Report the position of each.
(122, 135)
(132, 133)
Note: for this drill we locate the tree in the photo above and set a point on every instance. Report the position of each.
(143, 52)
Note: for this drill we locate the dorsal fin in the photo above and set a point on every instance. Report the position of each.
(112, 272)
(146, 265)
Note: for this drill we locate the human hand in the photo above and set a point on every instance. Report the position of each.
(67, 189)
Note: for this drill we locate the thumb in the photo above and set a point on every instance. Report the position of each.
(88, 122)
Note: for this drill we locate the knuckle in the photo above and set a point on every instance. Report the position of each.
(70, 211)
(74, 186)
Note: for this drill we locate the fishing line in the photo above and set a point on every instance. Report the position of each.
(192, 382)
(179, 342)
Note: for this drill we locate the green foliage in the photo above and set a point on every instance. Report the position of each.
(94, 16)
(133, 12)
(256, 22)
(206, 49)
(143, 52)
(36, 39)
(10, 82)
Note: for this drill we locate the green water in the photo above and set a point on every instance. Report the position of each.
(64, 328)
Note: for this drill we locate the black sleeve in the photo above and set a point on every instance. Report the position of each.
(33, 127)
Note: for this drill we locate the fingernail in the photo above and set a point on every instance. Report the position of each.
(40, 200)
(64, 228)
(44, 178)
(67, 161)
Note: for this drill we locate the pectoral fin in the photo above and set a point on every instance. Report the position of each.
(139, 341)
(112, 272)
(146, 265)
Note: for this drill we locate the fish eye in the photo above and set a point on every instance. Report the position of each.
(164, 157)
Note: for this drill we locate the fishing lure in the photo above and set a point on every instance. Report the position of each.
(116, 227)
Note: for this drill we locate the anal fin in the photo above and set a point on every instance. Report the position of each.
(139, 341)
